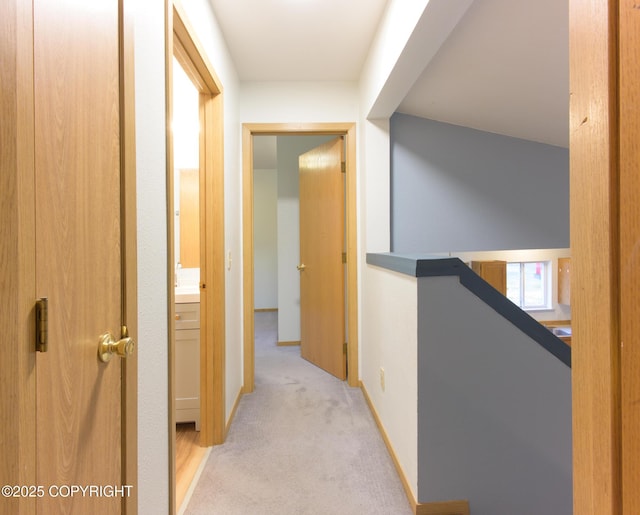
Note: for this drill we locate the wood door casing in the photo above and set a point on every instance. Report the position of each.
(629, 113)
(78, 257)
(322, 306)
(593, 164)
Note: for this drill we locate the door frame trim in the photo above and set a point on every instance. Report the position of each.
(128, 215)
(182, 42)
(348, 130)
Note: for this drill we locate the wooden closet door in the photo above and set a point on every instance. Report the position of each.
(78, 255)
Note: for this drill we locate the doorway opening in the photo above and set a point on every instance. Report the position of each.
(195, 209)
(347, 132)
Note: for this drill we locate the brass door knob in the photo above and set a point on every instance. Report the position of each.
(108, 346)
(301, 267)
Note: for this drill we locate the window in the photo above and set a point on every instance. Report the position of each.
(528, 284)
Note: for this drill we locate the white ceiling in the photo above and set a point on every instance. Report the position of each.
(503, 69)
(305, 40)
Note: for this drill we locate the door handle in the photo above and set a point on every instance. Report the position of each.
(301, 267)
(108, 346)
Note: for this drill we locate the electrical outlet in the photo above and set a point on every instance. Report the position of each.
(382, 378)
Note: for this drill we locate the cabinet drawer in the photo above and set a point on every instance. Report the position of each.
(188, 316)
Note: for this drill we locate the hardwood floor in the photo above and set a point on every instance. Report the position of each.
(189, 454)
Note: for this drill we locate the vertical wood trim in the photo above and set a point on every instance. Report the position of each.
(594, 250)
(213, 366)
(129, 257)
(352, 260)
(17, 253)
(629, 56)
(206, 300)
(171, 313)
(247, 259)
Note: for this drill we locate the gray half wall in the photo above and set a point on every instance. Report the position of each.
(460, 189)
(494, 409)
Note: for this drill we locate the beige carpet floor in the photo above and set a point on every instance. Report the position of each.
(302, 443)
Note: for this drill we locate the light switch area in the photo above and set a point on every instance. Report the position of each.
(382, 378)
(229, 260)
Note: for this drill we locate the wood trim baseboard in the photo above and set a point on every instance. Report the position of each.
(265, 310)
(288, 344)
(431, 508)
(403, 478)
(233, 413)
(443, 508)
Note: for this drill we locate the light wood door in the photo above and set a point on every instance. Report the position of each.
(78, 250)
(322, 306)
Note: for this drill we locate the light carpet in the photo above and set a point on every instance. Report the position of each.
(302, 443)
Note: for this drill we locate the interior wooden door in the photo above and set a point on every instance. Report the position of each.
(322, 306)
(78, 253)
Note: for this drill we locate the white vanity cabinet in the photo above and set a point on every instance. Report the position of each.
(187, 363)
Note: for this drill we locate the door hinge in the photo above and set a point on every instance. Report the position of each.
(42, 325)
(344, 348)
(344, 257)
(343, 167)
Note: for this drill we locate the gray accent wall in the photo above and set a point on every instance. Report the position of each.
(459, 189)
(494, 409)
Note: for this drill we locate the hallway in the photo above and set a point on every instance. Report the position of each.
(302, 443)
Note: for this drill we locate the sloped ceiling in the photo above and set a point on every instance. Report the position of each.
(504, 69)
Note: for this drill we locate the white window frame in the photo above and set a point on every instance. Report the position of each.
(546, 285)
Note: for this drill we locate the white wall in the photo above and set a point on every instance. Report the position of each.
(303, 102)
(153, 412)
(389, 340)
(153, 416)
(265, 238)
